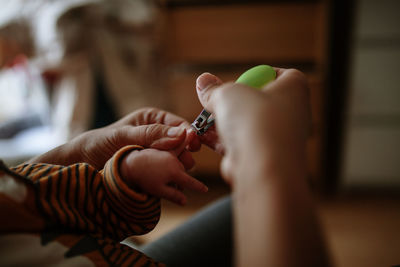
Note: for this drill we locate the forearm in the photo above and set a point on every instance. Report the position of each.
(275, 220)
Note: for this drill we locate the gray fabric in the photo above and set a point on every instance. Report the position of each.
(204, 240)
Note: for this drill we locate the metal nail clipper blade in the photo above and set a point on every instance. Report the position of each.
(203, 122)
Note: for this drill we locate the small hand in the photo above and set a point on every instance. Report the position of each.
(159, 173)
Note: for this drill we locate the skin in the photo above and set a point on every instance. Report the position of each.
(159, 169)
(159, 173)
(262, 136)
(148, 127)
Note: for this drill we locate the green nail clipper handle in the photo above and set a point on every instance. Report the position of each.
(258, 76)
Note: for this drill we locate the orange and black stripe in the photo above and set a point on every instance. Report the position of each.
(82, 200)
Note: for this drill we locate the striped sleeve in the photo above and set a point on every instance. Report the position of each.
(80, 198)
(137, 207)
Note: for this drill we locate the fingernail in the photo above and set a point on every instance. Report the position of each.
(205, 80)
(175, 131)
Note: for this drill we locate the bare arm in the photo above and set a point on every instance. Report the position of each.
(274, 215)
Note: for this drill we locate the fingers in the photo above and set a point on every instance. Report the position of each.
(166, 138)
(160, 137)
(158, 116)
(151, 115)
(193, 141)
(174, 195)
(150, 136)
(288, 79)
(186, 181)
(206, 87)
(206, 84)
(293, 86)
(226, 170)
(187, 160)
(211, 139)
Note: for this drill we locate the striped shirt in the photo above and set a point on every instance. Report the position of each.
(74, 215)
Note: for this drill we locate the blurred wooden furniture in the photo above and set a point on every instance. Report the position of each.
(227, 37)
(371, 145)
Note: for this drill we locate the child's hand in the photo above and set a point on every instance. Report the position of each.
(158, 173)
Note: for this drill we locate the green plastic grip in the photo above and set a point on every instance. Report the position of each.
(258, 76)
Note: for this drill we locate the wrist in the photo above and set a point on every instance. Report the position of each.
(268, 163)
(124, 167)
(126, 163)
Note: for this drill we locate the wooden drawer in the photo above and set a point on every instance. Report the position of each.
(271, 32)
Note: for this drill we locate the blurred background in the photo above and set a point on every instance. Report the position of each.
(70, 66)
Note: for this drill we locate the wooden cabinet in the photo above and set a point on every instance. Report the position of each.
(232, 34)
(230, 38)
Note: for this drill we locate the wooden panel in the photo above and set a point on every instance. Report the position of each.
(375, 84)
(244, 33)
(378, 19)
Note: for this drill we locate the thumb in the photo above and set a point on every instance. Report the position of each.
(206, 84)
(157, 136)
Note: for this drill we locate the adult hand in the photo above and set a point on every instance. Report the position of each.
(148, 127)
(263, 135)
(273, 121)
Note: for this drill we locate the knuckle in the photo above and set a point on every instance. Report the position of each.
(120, 134)
(296, 73)
(151, 133)
(148, 130)
(298, 76)
(116, 134)
(150, 114)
